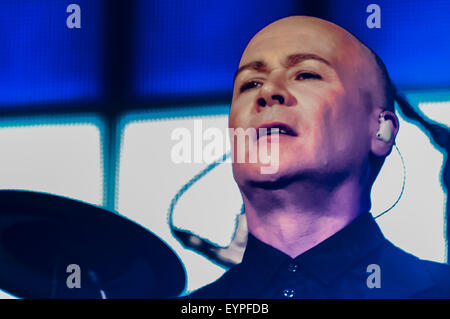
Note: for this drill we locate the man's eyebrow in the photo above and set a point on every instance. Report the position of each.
(255, 65)
(290, 61)
(296, 58)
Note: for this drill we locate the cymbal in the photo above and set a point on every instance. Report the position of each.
(56, 247)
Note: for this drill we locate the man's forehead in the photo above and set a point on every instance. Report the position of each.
(300, 35)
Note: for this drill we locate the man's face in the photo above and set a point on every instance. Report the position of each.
(305, 74)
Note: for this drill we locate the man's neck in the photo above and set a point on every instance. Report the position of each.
(300, 216)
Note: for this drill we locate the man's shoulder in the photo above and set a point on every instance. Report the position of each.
(404, 259)
(423, 278)
(440, 275)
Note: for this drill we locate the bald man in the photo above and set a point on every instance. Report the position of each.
(328, 100)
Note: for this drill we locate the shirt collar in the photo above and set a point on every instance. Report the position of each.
(325, 261)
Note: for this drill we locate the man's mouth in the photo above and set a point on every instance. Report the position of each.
(273, 128)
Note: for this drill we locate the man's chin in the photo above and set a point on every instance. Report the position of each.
(258, 173)
(287, 173)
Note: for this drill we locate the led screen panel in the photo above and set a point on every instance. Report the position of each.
(42, 59)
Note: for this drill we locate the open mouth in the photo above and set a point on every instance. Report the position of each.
(275, 128)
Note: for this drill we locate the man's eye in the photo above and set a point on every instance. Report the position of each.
(249, 85)
(308, 75)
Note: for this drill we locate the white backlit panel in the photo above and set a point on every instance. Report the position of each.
(148, 180)
(59, 155)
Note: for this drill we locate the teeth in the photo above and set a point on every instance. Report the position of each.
(274, 130)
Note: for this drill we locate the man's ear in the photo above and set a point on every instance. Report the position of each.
(384, 138)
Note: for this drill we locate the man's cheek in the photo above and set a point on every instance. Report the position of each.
(232, 118)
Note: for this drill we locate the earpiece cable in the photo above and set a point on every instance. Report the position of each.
(403, 185)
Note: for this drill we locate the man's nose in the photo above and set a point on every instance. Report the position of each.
(274, 91)
(276, 97)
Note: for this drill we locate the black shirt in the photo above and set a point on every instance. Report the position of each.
(356, 262)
